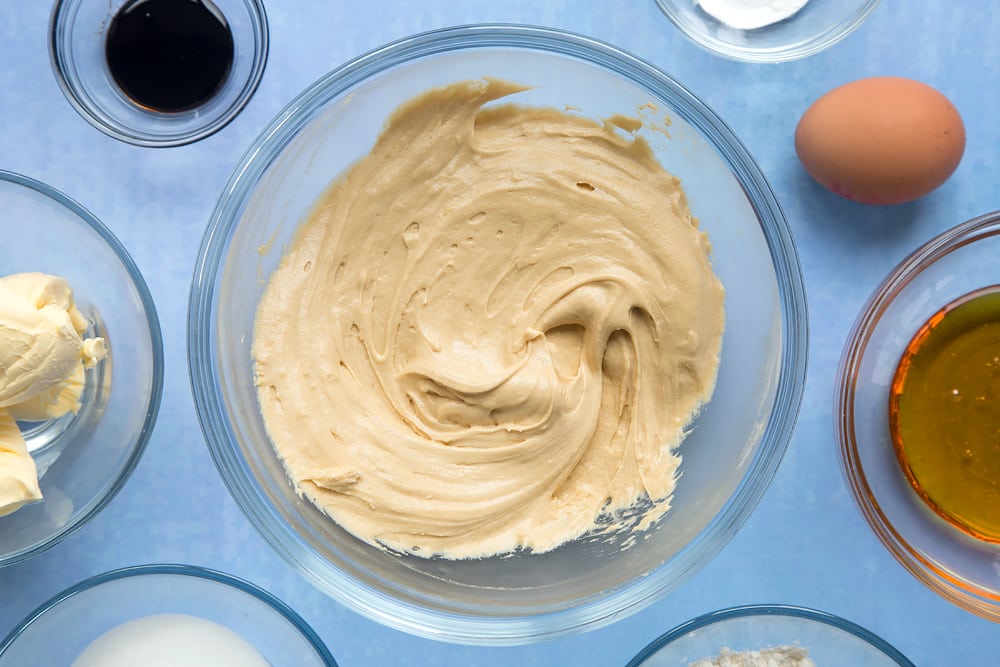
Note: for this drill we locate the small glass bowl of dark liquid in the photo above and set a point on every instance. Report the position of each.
(158, 72)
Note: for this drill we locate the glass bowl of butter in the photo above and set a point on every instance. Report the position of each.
(81, 366)
(165, 615)
(917, 414)
(456, 334)
(769, 635)
(768, 31)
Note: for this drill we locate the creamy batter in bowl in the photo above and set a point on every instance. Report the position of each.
(492, 333)
(735, 443)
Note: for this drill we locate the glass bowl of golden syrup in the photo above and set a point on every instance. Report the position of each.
(917, 414)
(158, 72)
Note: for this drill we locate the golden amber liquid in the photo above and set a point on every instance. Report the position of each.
(944, 412)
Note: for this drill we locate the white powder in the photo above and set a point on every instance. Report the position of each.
(751, 14)
(170, 640)
(781, 656)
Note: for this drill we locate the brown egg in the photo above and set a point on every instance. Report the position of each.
(883, 140)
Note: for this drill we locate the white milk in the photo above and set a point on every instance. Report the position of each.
(170, 640)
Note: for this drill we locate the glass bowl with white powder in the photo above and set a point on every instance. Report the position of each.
(767, 30)
(769, 636)
(182, 615)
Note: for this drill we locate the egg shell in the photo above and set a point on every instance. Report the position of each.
(881, 140)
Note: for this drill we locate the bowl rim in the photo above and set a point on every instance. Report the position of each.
(778, 54)
(178, 570)
(156, 342)
(791, 611)
(950, 587)
(133, 134)
(591, 612)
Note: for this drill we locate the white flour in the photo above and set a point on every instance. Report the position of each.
(782, 656)
(751, 14)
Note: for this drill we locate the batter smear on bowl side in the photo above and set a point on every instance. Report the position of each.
(492, 330)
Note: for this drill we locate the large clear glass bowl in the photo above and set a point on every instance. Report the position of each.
(953, 564)
(736, 443)
(59, 630)
(829, 639)
(83, 459)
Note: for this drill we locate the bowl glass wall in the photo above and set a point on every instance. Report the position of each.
(736, 442)
(83, 459)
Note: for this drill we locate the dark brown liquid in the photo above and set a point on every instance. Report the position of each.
(169, 55)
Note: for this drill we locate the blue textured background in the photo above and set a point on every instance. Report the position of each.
(806, 543)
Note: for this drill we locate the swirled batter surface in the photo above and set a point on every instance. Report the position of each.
(493, 329)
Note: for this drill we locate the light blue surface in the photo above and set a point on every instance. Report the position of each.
(806, 544)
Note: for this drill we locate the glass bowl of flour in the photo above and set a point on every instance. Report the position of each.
(769, 636)
(767, 30)
(164, 615)
(452, 358)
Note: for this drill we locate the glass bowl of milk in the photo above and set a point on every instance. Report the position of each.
(164, 615)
